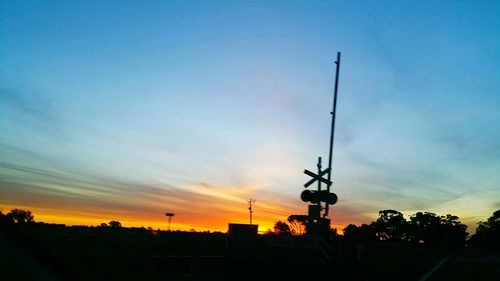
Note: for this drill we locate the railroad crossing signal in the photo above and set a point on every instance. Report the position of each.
(316, 177)
(315, 197)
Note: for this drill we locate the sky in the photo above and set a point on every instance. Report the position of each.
(125, 110)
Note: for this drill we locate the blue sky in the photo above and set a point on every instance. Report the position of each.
(125, 109)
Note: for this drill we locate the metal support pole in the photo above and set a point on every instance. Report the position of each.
(332, 132)
(319, 181)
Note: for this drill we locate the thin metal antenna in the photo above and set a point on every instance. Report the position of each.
(251, 202)
(333, 126)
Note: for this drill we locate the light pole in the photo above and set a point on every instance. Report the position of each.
(169, 215)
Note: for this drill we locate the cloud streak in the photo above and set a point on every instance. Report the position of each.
(200, 206)
(33, 110)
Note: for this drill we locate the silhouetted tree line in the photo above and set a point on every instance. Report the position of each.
(111, 224)
(488, 233)
(111, 237)
(423, 228)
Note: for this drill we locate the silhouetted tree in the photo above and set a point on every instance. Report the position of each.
(488, 232)
(493, 222)
(115, 224)
(298, 224)
(367, 234)
(391, 225)
(455, 231)
(333, 232)
(282, 227)
(20, 216)
(351, 233)
(424, 228)
(364, 234)
(433, 230)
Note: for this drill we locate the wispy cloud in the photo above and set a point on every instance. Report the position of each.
(29, 103)
(201, 206)
(30, 112)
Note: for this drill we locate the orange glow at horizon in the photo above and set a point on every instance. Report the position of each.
(200, 207)
(46, 215)
(73, 218)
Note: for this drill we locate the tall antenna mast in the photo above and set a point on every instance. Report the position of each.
(251, 202)
(333, 128)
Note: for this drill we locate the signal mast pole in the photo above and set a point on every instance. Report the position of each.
(332, 132)
(319, 182)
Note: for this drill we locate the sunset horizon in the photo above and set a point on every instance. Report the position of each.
(123, 111)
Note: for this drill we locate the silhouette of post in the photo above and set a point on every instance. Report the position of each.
(319, 182)
(169, 215)
(332, 132)
(251, 202)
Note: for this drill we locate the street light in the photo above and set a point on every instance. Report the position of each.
(169, 215)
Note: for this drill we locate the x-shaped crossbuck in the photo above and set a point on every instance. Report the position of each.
(316, 177)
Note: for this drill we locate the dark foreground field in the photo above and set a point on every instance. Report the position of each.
(44, 252)
(467, 264)
(250, 268)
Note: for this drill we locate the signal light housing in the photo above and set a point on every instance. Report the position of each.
(319, 196)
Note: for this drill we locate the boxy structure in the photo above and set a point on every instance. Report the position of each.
(242, 239)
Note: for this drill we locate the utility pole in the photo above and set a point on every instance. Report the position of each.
(332, 132)
(251, 202)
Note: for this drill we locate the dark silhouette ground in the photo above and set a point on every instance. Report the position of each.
(39, 251)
